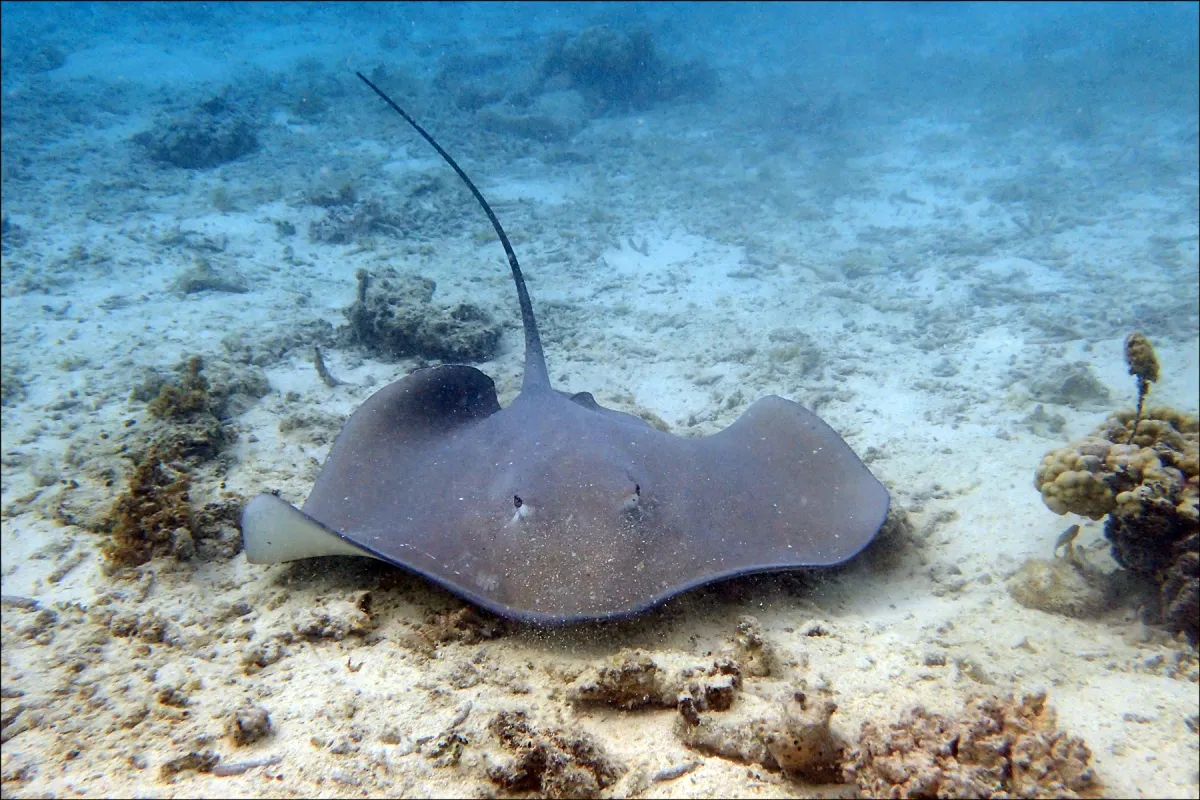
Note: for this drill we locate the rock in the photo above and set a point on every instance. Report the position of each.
(552, 763)
(1060, 587)
(249, 724)
(211, 134)
(394, 317)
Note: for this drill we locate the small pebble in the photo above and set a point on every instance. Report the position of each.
(672, 773)
(249, 724)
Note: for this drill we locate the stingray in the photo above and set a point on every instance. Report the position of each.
(556, 509)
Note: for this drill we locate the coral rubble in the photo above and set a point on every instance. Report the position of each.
(635, 679)
(998, 748)
(552, 763)
(793, 737)
(394, 317)
(345, 224)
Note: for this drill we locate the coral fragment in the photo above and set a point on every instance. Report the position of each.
(998, 748)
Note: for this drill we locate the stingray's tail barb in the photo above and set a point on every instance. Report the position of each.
(535, 359)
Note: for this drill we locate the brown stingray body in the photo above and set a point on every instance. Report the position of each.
(556, 509)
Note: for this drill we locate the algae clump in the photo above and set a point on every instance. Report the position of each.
(153, 515)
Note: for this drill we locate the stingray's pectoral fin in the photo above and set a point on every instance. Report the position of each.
(275, 531)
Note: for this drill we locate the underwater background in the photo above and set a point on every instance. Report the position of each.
(935, 225)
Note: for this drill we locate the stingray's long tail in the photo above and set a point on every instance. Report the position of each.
(536, 374)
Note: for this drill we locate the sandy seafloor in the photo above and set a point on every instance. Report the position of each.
(945, 264)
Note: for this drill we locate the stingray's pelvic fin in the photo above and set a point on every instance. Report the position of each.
(536, 374)
(274, 531)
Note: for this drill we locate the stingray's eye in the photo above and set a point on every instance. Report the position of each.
(517, 503)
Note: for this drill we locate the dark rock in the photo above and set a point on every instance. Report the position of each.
(201, 277)
(11, 234)
(621, 71)
(1074, 385)
(213, 133)
(1181, 591)
(28, 56)
(249, 724)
